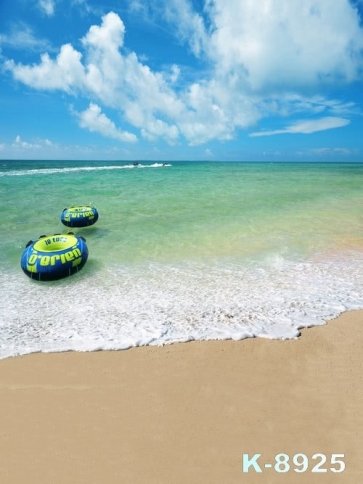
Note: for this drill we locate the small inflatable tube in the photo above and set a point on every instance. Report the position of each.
(54, 256)
(81, 216)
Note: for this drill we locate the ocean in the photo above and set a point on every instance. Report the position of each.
(186, 251)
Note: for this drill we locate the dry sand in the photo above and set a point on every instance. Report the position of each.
(186, 413)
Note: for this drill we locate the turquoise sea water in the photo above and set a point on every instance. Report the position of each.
(181, 252)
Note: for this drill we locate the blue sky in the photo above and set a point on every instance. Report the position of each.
(262, 80)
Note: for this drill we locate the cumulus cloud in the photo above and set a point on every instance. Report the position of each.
(118, 81)
(307, 126)
(263, 59)
(273, 44)
(94, 120)
(65, 73)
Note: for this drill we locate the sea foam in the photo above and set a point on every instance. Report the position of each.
(160, 304)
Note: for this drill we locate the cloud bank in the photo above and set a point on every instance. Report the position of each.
(263, 58)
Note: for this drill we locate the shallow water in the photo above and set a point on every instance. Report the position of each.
(180, 252)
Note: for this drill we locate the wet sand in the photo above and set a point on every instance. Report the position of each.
(186, 413)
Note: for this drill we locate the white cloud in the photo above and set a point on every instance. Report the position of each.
(338, 153)
(22, 37)
(46, 149)
(47, 6)
(189, 24)
(294, 104)
(262, 57)
(94, 120)
(307, 127)
(24, 145)
(65, 73)
(333, 151)
(84, 7)
(108, 37)
(270, 43)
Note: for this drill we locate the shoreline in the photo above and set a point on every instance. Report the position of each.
(185, 413)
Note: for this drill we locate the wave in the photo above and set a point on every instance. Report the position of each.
(157, 304)
(52, 171)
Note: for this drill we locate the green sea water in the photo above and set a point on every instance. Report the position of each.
(183, 251)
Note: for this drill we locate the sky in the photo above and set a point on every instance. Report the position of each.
(229, 80)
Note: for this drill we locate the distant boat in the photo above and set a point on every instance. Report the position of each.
(136, 163)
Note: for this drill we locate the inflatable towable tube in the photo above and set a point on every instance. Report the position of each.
(54, 256)
(81, 216)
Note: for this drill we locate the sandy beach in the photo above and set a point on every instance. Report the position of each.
(186, 413)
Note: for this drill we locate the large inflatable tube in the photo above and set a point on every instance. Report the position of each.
(81, 216)
(54, 256)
